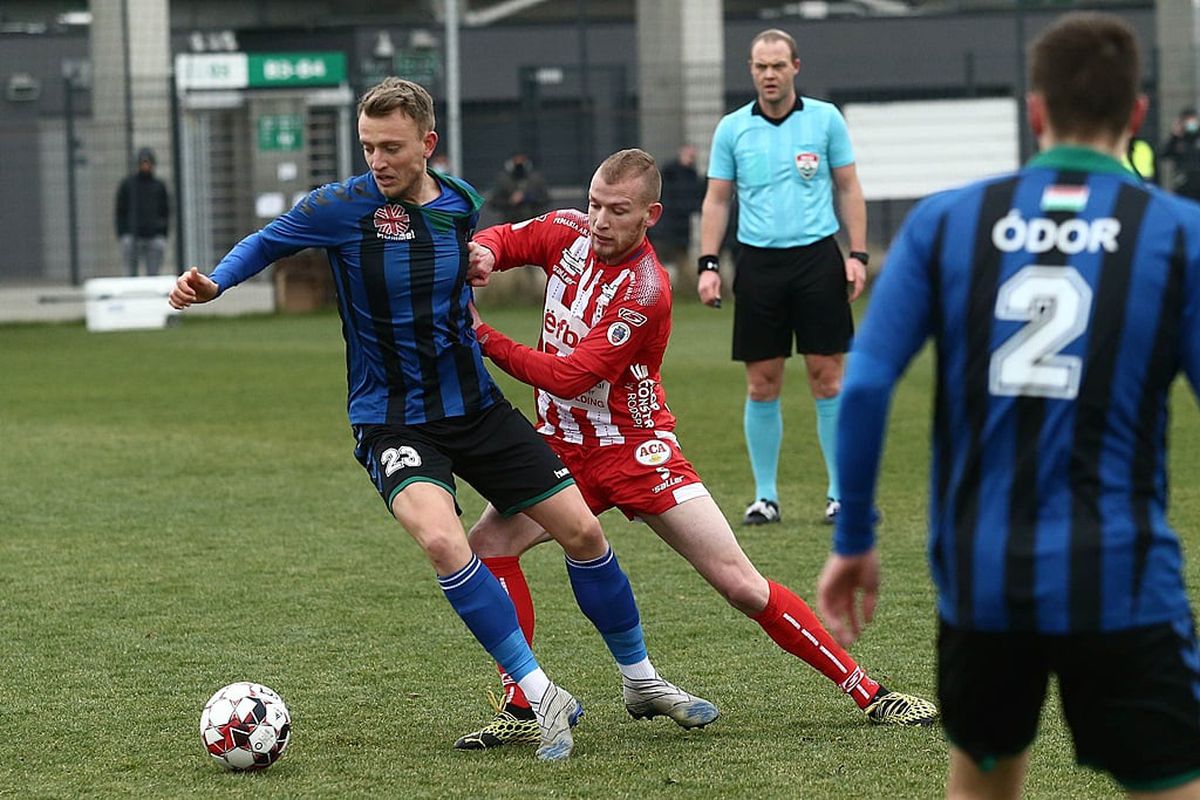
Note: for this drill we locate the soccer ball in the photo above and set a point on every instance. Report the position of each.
(245, 726)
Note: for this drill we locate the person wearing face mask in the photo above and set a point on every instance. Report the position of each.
(520, 191)
(1182, 152)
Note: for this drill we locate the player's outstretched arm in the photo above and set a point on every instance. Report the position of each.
(846, 594)
(565, 376)
(192, 287)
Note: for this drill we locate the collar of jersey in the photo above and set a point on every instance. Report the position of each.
(1078, 159)
(756, 110)
(444, 220)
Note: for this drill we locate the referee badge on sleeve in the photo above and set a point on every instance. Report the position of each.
(806, 164)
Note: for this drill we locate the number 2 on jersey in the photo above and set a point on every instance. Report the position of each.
(1056, 304)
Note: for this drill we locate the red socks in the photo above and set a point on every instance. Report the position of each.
(787, 620)
(793, 626)
(507, 570)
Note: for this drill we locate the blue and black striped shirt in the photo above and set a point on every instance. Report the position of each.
(1062, 300)
(400, 272)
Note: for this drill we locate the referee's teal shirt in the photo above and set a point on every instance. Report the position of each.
(782, 171)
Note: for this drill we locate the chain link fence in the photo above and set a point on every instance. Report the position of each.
(231, 159)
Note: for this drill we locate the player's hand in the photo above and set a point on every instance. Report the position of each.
(709, 288)
(856, 277)
(192, 287)
(476, 320)
(846, 594)
(480, 263)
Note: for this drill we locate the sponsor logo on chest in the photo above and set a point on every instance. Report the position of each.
(569, 266)
(559, 330)
(392, 223)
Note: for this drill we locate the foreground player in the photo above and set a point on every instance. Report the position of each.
(1063, 300)
(601, 405)
(422, 406)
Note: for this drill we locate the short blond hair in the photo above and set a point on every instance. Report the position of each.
(633, 163)
(776, 35)
(397, 94)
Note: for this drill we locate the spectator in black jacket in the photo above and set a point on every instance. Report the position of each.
(519, 191)
(1182, 152)
(682, 193)
(143, 213)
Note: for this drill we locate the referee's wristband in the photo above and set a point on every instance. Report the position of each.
(707, 264)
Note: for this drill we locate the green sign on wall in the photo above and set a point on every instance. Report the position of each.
(280, 132)
(296, 69)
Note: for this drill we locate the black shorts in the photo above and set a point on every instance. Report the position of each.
(1129, 697)
(496, 451)
(791, 292)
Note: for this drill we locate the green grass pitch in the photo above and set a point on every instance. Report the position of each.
(181, 509)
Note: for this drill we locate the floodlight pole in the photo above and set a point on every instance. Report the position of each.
(453, 89)
(454, 20)
(1023, 142)
(585, 89)
(72, 189)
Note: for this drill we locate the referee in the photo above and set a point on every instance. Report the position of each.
(785, 154)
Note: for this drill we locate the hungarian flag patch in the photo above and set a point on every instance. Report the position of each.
(1064, 198)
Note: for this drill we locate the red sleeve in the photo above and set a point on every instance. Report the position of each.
(563, 377)
(620, 337)
(535, 241)
(604, 354)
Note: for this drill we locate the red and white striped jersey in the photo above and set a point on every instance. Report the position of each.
(596, 370)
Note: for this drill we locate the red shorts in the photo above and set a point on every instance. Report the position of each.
(642, 479)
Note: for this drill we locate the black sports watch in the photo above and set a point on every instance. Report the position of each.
(862, 256)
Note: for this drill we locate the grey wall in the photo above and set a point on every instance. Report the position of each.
(842, 59)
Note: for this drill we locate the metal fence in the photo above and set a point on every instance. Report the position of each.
(232, 159)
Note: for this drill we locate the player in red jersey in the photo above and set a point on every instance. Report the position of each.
(601, 405)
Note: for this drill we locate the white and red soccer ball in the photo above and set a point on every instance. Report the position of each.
(245, 726)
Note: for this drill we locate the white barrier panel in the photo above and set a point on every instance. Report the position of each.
(122, 304)
(910, 149)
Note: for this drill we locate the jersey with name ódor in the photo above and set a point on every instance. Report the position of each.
(782, 170)
(400, 275)
(1063, 301)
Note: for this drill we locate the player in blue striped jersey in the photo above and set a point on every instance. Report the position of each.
(422, 406)
(1063, 301)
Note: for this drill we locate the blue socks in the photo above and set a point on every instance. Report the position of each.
(603, 594)
(480, 600)
(827, 422)
(763, 424)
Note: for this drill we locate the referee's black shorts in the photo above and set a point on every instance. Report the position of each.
(1129, 697)
(496, 451)
(791, 293)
